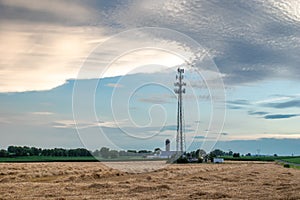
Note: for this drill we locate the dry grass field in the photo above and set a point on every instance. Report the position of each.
(236, 180)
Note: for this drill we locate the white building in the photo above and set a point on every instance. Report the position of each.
(218, 160)
(164, 154)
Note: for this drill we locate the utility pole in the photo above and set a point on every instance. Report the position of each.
(179, 90)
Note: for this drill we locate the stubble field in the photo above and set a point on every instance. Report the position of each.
(235, 180)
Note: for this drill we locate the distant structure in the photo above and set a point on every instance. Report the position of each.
(180, 143)
(218, 160)
(167, 154)
(168, 144)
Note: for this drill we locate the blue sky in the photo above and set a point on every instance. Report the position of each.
(91, 74)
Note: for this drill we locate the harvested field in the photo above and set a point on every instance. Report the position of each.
(235, 180)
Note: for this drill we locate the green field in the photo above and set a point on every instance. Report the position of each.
(251, 158)
(263, 158)
(292, 160)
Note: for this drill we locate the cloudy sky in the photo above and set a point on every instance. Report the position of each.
(101, 73)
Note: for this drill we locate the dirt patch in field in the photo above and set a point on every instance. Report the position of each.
(235, 180)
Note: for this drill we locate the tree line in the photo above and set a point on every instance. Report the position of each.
(200, 156)
(13, 151)
(104, 152)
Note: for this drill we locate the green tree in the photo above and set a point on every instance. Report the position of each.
(131, 151)
(182, 159)
(144, 151)
(201, 153)
(236, 155)
(35, 151)
(11, 149)
(46, 152)
(3, 153)
(217, 152)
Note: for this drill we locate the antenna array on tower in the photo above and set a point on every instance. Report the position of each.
(180, 90)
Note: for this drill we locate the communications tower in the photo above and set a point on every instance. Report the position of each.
(180, 90)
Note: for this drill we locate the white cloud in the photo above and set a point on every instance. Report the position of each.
(272, 100)
(4, 121)
(251, 136)
(43, 57)
(114, 85)
(71, 124)
(290, 10)
(139, 61)
(64, 9)
(42, 113)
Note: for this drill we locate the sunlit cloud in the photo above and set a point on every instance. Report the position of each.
(42, 113)
(70, 10)
(42, 59)
(136, 62)
(288, 9)
(71, 124)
